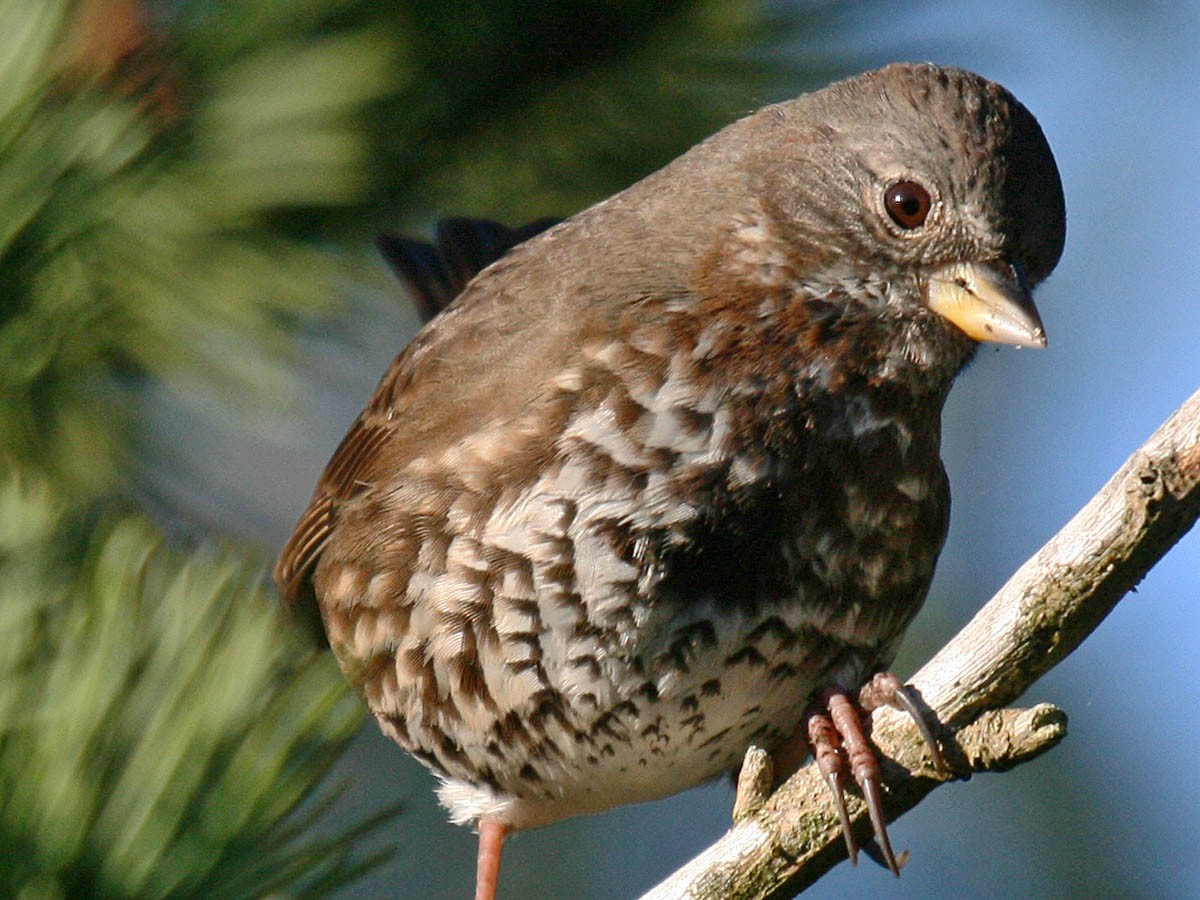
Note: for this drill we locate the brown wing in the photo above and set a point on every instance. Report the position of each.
(339, 482)
(434, 276)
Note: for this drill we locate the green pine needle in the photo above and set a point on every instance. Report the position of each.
(158, 721)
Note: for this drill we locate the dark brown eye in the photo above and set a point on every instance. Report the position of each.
(907, 203)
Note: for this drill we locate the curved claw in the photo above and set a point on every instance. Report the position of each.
(870, 789)
(885, 689)
(839, 800)
(908, 703)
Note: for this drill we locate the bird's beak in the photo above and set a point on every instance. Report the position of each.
(987, 303)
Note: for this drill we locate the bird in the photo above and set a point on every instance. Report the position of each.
(662, 481)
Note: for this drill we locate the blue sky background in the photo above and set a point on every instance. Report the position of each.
(1029, 437)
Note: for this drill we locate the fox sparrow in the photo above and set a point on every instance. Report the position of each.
(663, 481)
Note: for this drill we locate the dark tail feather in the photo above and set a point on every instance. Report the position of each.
(422, 270)
(436, 273)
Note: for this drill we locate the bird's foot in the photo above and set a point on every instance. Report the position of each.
(839, 744)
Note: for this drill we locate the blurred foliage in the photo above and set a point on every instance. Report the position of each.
(161, 730)
(156, 722)
(134, 240)
(183, 188)
(518, 111)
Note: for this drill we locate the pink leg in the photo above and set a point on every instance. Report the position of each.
(864, 766)
(487, 870)
(826, 745)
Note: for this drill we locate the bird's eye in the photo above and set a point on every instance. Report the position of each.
(907, 203)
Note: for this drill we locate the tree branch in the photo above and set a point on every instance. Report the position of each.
(782, 844)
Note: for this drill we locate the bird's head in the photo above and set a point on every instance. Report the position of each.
(934, 180)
